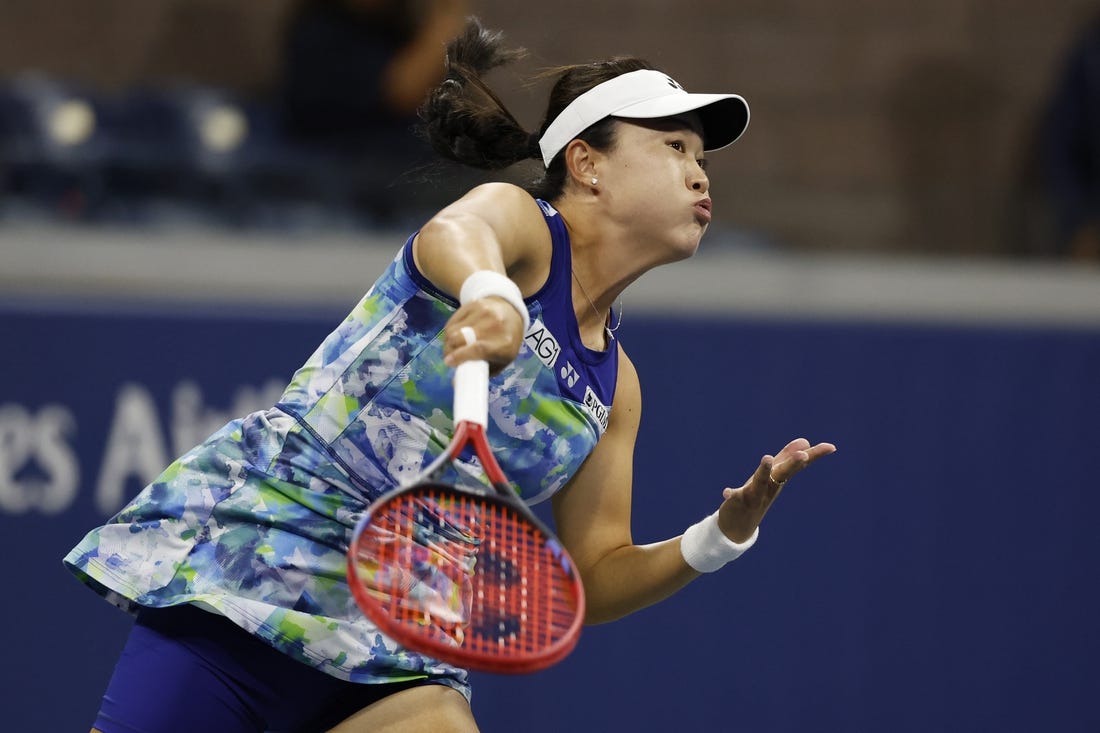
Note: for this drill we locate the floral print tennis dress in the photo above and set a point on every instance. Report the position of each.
(254, 523)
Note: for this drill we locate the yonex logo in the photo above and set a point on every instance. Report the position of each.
(673, 83)
(569, 374)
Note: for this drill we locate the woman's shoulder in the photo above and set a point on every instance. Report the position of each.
(516, 218)
(508, 209)
(504, 194)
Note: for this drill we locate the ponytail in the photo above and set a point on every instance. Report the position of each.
(466, 122)
(463, 119)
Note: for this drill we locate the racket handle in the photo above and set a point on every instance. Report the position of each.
(472, 392)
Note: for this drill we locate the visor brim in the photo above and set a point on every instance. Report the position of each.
(724, 116)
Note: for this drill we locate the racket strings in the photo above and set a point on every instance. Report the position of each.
(466, 571)
(420, 566)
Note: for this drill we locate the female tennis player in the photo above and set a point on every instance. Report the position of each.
(234, 558)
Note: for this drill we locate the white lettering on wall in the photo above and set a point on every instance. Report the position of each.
(38, 468)
(39, 462)
(135, 447)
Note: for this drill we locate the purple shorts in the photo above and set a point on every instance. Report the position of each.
(184, 669)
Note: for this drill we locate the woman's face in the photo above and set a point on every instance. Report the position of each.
(654, 182)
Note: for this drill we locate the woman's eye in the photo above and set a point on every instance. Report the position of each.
(677, 145)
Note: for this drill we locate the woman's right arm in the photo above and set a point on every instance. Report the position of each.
(496, 227)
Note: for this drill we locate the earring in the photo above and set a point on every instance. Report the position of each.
(595, 180)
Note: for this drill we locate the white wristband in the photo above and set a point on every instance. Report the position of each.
(486, 283)
(706, 548)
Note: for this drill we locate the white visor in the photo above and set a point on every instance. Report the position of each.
(646, 94)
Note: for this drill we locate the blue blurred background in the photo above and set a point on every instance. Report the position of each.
(902, 263)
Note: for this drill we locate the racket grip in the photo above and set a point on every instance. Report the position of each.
(472, 392)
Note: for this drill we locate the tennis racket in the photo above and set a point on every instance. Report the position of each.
(467, 575)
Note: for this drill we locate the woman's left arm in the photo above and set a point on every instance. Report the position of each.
(592, 514)
(592, 518)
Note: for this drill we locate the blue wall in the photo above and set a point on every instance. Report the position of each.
(938, 573)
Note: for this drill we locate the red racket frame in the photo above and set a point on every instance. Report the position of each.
(530, 535)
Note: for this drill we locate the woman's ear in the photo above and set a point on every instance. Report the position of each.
(580, 161)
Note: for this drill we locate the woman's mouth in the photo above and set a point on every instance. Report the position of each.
(703, 210)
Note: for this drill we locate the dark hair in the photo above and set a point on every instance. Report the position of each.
(466, 122)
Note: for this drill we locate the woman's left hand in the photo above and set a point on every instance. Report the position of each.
(743, 508)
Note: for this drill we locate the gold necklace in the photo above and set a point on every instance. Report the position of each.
(610, 330)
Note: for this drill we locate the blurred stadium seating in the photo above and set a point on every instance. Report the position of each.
(178, 154)
(55, 142)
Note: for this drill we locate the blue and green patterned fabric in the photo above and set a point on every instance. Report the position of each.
(254, 523)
